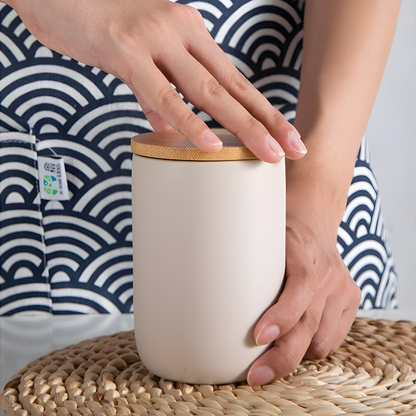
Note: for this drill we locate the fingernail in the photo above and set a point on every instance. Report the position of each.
(211, 138)
(297, 143)
(274, 146)
(258, 376)
(267, 335)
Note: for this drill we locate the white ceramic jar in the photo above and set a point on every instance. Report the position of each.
(209, 255)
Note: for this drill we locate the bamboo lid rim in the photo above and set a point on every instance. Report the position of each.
(172, 145)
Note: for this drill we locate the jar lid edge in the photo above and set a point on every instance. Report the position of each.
(172, 145)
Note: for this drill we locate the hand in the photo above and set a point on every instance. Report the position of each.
(320, 299)
(316, 308)
(150, 44)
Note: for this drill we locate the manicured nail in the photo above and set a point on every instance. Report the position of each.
(211, 138)
(258, 376)
(274, 146)
(297, 143)
(267, 335)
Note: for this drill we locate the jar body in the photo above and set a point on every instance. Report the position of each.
(209, 260)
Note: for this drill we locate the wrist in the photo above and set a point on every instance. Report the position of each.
(317, 192)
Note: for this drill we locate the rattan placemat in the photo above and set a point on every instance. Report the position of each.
(372, 373)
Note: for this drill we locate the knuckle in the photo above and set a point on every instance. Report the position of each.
(186, 15)
(319, 348)
(248, 123)
(298, 312)
(240, 81)
(167, 97)
(350, 287)
(292, 361)
(186, 118)
(276, 117)
(356, 294)
(193, 15)
(310, 321)
(213, 88)
(169, 102)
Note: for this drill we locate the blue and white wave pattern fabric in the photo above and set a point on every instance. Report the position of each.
(75, 256)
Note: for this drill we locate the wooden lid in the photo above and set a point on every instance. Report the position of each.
(172, 145)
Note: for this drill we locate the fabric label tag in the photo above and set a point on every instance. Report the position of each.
(52, 177)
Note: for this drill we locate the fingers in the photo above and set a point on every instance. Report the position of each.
(163, 102)
(147, 45)
(289, 349)
(208, 95)
(209, 54)
(208, 79)
(301, 286)
(320, 331)
(154, 119)
(329, 337)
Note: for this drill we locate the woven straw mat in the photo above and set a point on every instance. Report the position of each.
(372, 373)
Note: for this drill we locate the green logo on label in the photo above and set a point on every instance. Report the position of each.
(49, 183)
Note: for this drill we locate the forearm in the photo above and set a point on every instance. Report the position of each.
(346, 45)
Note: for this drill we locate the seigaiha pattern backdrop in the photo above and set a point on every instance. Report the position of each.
(75, 256)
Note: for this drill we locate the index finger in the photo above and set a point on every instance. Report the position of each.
(214, 59)
(203, 90)
(300, 289)
(289, 350)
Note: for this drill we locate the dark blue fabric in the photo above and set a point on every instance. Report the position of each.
(76, 256)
